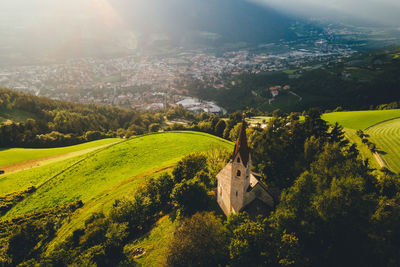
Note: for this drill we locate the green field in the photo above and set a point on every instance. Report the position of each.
(386, 136)
(259, 119)
(360, 120)
(155, 243)
(104, 169)
(17, 155)
(101, 176)
(383, 129)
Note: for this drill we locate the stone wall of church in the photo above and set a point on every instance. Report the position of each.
(240, 183)
(224, 189)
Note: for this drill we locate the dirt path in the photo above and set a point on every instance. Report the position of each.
(380, 161)
(22, 166)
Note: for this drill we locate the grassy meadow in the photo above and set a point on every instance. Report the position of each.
(17, 155)
(360, 120)
(382, 128)
(90, 176)
(99, 177)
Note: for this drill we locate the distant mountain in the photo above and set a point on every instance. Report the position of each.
(62, 30)
(204, 22)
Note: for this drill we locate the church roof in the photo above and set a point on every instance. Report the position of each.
(241, 146)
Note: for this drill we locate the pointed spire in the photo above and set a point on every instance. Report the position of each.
(241, 146)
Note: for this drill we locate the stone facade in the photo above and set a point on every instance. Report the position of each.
(238, 186)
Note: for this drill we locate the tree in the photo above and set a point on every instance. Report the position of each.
(234, 134)
(154, 127)
(220, 128)
(190, 197)
(189, 166)
(201, 240)
(249, 244)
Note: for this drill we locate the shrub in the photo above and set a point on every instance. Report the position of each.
(201, 240)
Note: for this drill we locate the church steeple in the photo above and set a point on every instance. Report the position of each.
(241, 146)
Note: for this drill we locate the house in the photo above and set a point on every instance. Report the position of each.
(239, 189)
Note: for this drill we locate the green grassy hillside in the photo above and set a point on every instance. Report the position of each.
(18, 155)
(109, 167)
(386, 136)
(100, 177)
(383, 129)
(360, 120)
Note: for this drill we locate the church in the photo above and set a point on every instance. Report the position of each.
(239, 189)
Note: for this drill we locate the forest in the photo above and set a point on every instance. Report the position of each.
(55, 123)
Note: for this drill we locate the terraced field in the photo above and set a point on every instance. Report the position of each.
(386, 136)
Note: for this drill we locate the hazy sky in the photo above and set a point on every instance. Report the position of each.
(383, 11)
(380, 11)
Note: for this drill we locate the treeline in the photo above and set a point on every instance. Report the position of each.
(58, 123)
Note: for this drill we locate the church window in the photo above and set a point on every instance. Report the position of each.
(220, 191)
(238, 173)
(238, 160)
(236, 193)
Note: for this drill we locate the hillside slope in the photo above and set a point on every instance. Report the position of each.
(382, 128)
(386, 136)
(361, 120)
(21, 155)
(112, 166)
(105, 175)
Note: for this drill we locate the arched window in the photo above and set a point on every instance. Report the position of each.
(236, 193)
(238, 173)
(238, 160)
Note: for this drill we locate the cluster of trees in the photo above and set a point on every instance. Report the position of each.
(364, 139)
(391, 105)
(58, 123)
(225, 128)
(287, 146)
(25, 238)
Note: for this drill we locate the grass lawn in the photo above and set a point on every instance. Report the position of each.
(102, 176)
(383, 128)
(386, 136)
(155, 243)
(290, 72)
(260, 119)
(360, 120)
(17, 155)
(364, 150)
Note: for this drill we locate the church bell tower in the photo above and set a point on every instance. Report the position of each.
(241, 171)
